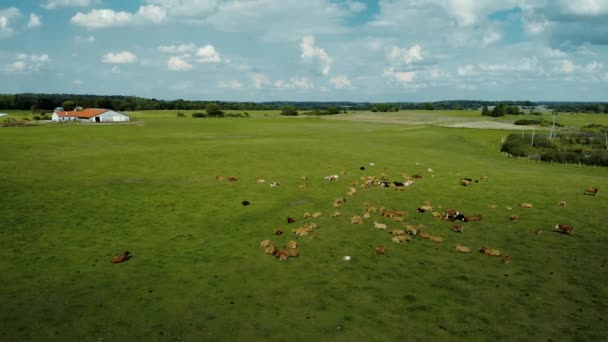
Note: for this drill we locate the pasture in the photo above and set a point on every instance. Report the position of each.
(75, 195)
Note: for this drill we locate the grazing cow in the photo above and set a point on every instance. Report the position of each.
(526, 205)
(462, 249)
(317, 214)
(562, 203)
(378, 225)
(458, 228)
(472, 218)
(356, 220)
(397, 232)
(489, 251)
(291, 220)
(400, 238)
(126, 255)
(565, 229)
(411, 230)
(261, 181)
(336, 214)
(379, 250)
(591, 191)
(278, 232)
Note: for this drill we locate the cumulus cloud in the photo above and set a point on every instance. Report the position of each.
(295, 82)
(28, 63)
(260, 80)
(208, 54)
(232, 84)
(176, 63)
(53, 4)
(125, 57)
(315, 54)
(187, 8)
(340, 82)
(467, 70)
(6, 16)
(105, 18)
(81, 39)
(399, 56)
(35, 21)
(178, 49)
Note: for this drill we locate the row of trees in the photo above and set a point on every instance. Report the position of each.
(501, 109)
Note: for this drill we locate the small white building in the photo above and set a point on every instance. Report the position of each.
(89, 114)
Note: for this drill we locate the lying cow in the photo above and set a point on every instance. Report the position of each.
(565, 228)
(472, 218)
(591, 191)
(489, 251)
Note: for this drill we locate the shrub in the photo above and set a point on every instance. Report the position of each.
(181, 115)
(517, 146)
(526, 122)
(199, 115)
(289, 111)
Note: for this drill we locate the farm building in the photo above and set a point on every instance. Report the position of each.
(89, 114)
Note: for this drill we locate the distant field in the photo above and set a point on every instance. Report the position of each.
(74, 195)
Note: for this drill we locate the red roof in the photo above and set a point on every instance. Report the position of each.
(86, 113)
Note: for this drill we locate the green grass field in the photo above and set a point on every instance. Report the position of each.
(75, 195)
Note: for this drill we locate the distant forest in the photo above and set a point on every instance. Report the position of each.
(48, 102)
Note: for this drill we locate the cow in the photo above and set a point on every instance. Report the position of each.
(304, 178)
(378, 225)
(126, 255)
(307, 215)
(356, 220)
(278, 232)
(336, 214)
(266, 243)
(275, 184)
(526, 205)
(398, 218)
(565, 229)
(458, 228)
(489, 251)
(465, 182)
(261, 181)
(367, 216)
(317, 214)
(399, 184)
(291, 220)
(397, 232)
(562, 203)
(332, 177)
(411, 229)
(232, 179)
(450, 214)
(591, 191)
(292, 244)
(514, 217)
(506, 259)
(400, 238)
(462, 249)
(472, 218)
(379, 250)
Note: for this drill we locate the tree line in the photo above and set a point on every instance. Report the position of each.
(48, 102)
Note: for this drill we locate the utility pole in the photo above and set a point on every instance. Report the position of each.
(551, 137)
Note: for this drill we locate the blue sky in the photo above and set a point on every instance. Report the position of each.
(314, 50)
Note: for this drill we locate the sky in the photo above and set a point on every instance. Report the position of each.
(313, 50)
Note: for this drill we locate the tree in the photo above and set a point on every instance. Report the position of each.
(213, 110)
(289, 111)
(499, 110)
(68, 105)
(485, 111)
(429, 106)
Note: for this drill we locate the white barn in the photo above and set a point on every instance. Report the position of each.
(89, 114)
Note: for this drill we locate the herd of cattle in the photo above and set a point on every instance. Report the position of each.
(397, 216)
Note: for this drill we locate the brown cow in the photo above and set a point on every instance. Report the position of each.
(565, 228)
(489, 251)
(458, 228)
(591, 191)
(126, 255)
(462, 249)
(400, 238)
(379, 250)
(472, 218)
(526, 205)
(356, 220)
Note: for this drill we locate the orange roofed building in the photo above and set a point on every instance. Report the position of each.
(89, 114)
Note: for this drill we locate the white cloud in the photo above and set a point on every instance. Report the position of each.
(104, 18)
(491, 37)
(583, 8)
(295, 82)
(594, 67)
(208, 54)
(176, 63)
(152, 13)
(232, 84)
(52, 4)
(125, 57)
(259, 80)
(115, 69)
(565, 66)
(467, 70)
(34, 21)
(77, 82)
(400, 76)
(356, 6)
(31, 63)
(340, 82)
(187, 8)
(178, 49)
(398, 56)
(6, 16)
(313, 53)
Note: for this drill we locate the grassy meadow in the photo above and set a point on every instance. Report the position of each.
(74, 195)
